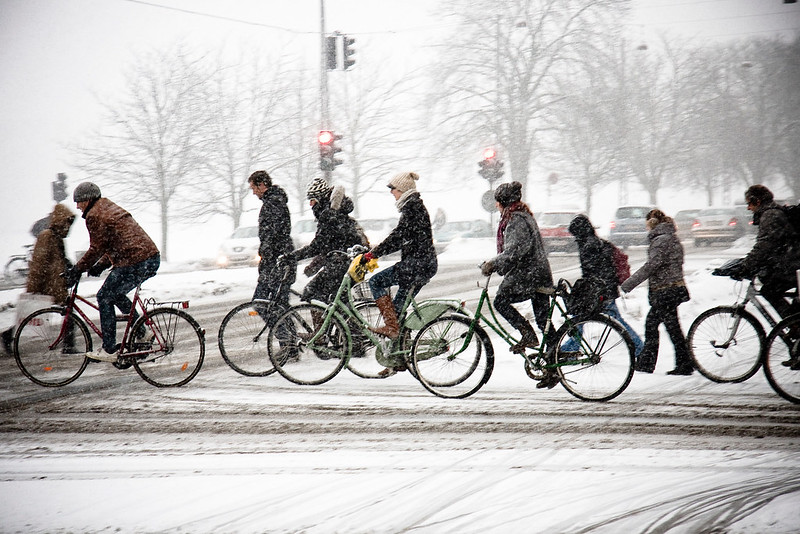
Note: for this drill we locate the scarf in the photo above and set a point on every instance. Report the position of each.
(404, 198)
(505, 217)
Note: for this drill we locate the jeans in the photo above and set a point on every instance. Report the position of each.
(114, 293)
(380, 283)
(611, 309)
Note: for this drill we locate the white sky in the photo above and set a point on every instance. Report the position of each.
(57, 55)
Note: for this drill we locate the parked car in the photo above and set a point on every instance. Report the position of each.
(377, 229)
(241, 248)
(553, 227)
(721, 225)
(629, 226)
(683, 222)
(452, 230)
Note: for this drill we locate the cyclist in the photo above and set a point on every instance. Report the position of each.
(115, 240)
(413, 237)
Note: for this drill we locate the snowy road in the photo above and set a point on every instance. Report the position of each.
(228, 453)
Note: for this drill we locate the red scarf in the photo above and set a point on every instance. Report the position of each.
(505, 217)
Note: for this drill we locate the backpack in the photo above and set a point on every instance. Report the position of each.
(585, 298)
(621, 265)
(793, 214)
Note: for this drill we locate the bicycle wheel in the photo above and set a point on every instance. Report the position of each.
(296, 357)
(602, 367)
(782, 354)
(242, 338)
(16, 271)
(451, 358)
(49, 350)
(726, 344)
(175, 348)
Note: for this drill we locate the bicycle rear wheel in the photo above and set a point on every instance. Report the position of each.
(296, 357)
(726, 344)
(451, 358)
(175, 348)
(242, 338)
(50, 351)
(602, 367)
(783, 354)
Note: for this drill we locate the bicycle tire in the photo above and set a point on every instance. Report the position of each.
(737, 361)
(177, 348)
(444, 364)
(16, 270)
(363, 361)
(603, 365)
(289, 350)
(39, 357)
(783, 347)
(243, 338)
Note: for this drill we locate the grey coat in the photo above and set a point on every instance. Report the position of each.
(523, 261)
(664, 266)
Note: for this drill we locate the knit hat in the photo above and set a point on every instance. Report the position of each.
(508, 193)
(404, 181)
(318, 189)
(86, 191)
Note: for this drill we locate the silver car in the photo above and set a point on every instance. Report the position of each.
(721, 225)
(629, 226)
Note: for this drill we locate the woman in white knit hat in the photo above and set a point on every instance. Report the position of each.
(413, 237)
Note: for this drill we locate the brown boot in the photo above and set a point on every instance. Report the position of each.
(529, 340)
(390, 326)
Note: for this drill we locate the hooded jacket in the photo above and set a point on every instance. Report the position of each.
(49, 258)
(775, 257)
(664, 266)
(274, 226)
(595, 255)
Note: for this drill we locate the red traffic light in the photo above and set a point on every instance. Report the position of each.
(489, 153)
(325, 137)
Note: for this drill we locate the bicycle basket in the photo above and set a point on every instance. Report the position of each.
(361, 291)
(585, 298)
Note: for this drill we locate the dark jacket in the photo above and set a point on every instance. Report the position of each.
(115, 238)
(664, 266)
(775, 257)
(413, 237)
(274, 227)
(523, 261)
(49, 258)
(336, 230)
(596, 257)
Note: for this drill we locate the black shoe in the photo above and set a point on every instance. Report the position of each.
(122, 363)
(528, 341)
(8, 338)
(549, 381)
(644, 368)
(681, 371)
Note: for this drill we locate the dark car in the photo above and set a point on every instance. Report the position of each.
(553, 227)
(629, 226)
(721, 225)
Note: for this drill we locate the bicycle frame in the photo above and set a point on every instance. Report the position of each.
(750, 297)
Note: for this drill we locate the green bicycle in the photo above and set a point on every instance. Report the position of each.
(312, 342)
(444, 351)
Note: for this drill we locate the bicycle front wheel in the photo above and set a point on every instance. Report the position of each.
(782, 359)
(451, 357)
(304, 349)
(242, 337)
(726, 344)
(50, 351)
(602, 366)
(174, 350)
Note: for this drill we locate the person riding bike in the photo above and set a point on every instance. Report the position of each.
(115, 240)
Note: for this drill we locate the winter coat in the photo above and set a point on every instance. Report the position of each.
(413, 237)
(664, 266)
(274, 227)
(49, 258)
(336, 230)
(596, 257)
(115, 238)
(775, 257)
(523, 261)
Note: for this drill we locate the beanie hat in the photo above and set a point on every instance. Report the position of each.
(404, 181)
(581, 227)
(508, 193)
(86, 191)
(318, 189)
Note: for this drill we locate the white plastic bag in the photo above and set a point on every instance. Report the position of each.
(29, 303)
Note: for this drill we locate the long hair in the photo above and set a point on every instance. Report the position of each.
(658, 217)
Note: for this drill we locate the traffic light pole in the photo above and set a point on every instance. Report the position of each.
(323, 81)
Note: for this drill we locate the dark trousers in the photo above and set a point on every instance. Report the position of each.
(539, 301)
(775, 293)
(664, 309)
(274, 282)
(114, 293)
(380, 283)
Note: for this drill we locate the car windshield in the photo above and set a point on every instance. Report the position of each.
(245, 232)
(556, 219)
(715, 211)
(632, 212)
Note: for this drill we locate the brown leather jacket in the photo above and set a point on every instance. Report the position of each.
(49, 259)
(114, 237)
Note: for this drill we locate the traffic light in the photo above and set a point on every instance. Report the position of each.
(60, 187)
(347, 51)
(491, 168)
(330, 52)
(328, 149)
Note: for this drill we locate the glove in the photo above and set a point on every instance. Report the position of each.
(487, 268)
(96, 270)
(71, 276)
(367, 257)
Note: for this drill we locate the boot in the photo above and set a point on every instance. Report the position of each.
(529, 339)
(390, 327)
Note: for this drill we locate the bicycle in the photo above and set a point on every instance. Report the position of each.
(782, 359)
(444, 351)
(17, 267)
(727, 343)
(312, 342)
(51, 344)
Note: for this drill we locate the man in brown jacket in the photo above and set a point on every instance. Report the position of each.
(115, 240)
